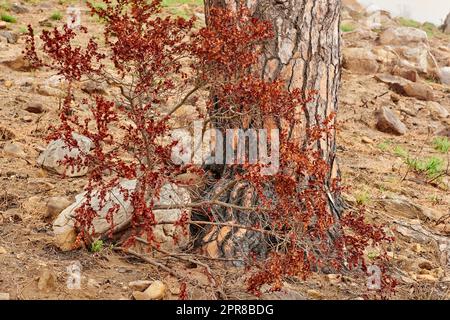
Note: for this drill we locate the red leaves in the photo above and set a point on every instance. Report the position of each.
(231, 43)
(71, 62)
(143, 43)
(150, 56)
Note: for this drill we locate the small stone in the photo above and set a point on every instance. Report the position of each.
(18, 64)
(66, 240)
(27, 119)
(14, 149)
(92, 283)
(444, 133)
(48, 91)
(426, 265)
(426, 277)
(395, 97)
(388, 122)
(156, 290)
(138, 295)
(3, 25)
(417, 248)
(56, 205)
(47, 281)
(92, 87)
(3, 250)
(35, 107)
(45, 23)
(437, 110)
(4, 296)
(314, 294)
(334, 278)
(139, 285)
(367, 140)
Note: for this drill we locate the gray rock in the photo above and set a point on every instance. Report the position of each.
(56, 152)
(48, 91)
(27, 119)
(10, 36)
(92, 87)
(35, 107)
(408, 88)
(404, 208)
(403, 36)
(444, 74)
(18, 8)
(388, 122)
(360, 60)
(170, 194)
(14, 149)
(416, 90)
(444, 132)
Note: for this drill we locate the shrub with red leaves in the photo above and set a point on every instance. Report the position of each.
(150, 59)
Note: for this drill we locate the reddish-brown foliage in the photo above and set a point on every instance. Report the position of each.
(149, 59)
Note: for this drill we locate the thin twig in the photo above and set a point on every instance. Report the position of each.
(151, 261)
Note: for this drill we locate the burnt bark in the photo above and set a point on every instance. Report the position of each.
(305, 53)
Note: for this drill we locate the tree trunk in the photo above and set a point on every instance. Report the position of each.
(305, 54)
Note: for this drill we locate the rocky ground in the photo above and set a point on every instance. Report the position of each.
(393, 120)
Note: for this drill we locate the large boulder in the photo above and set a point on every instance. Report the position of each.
(404, 208)
(415, 57)
(360, 60)
(403, 36)
(411, 47)
(170, 194)
(416, 90)
(58, 150)
(400, 85)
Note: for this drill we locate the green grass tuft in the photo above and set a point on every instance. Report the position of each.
(8, 18)
(56, 16)
(441, 144)
(347, 27)
(409, 23)
(97, 246)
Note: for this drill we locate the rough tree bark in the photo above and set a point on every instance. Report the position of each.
(305, 53)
